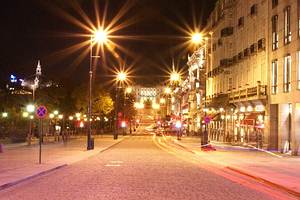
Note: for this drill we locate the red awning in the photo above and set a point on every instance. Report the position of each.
(250, 119)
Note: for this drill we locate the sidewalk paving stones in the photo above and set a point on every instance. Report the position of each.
(20, 162)
(282, 170)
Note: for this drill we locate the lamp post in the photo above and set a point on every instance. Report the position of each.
(99, 36)
(30, 109)
(128, 91)
(120, 79)
(197, 39)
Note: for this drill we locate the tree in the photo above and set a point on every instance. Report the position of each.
(102, 101)
(103, 104)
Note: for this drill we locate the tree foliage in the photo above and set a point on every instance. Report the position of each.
(102, 102)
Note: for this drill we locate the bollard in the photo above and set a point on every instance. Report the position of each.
(1, 148)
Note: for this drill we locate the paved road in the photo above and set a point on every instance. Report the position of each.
(140, 168)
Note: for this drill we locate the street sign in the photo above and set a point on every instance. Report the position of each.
(207, 119)
(41, 112)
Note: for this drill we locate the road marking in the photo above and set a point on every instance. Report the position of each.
(112, 165)
(269, 152)
(116, 161)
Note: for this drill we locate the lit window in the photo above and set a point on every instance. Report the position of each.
(287, 74)
(275, 32)
(287, 25)
(298, 71)
(274, 76)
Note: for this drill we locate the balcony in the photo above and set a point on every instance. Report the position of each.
(251, 93)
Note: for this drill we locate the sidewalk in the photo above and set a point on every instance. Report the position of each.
(276, 169)
(19, 162)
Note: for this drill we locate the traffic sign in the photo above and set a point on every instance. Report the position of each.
(207, 119)
(41, 112)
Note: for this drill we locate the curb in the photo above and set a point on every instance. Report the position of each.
(13, 183)
(270, 183)
(267, 182)
(184, 147)
(114, 144)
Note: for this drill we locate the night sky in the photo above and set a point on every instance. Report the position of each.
(35, 29)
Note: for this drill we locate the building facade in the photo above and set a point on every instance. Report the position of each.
(253, 73)
(237, 72)
(284, 69)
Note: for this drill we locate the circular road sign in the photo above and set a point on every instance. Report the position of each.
(207, 119)
(41, 112)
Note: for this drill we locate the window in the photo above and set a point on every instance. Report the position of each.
(287, 25)
(226, 31)
(298, 10)
(261, 44)
(253, 48)
(220, 42)
(275, 32)
(287, 74)
(298, 71)
(274, 3)
(253, 9)
(241, 21)
(274, 76)
(214, 46)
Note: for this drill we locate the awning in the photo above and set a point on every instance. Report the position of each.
(185, 106)
(214, 117)
(250, 119)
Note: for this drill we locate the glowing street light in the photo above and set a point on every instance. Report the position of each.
(100, 36)
(60, 116)
(30, 108)
(175, 77)
(128, 90)
(71, 118)
(121, 76)
(51, 115)
(25, 114)
(197, 38)
(55, 112)
(168, 90)
(4, 114)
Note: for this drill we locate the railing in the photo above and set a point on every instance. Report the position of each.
(258, 92)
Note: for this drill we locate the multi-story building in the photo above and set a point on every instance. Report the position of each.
(284, 70)
(253, 73)
(237, 73)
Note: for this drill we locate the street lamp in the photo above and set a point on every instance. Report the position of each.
(25, 114)
(99, 36)
(4, 115)
(197, 38)
(121, 77)
(30, 109)
(128, 91)
(175, 77)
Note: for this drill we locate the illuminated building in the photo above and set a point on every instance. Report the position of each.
(237, 72)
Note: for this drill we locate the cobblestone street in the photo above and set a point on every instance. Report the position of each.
(140, 168)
